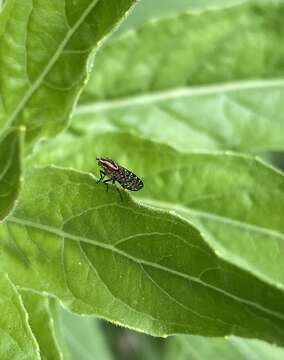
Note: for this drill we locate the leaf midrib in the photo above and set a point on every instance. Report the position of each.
(195, 214)
(214, 217)
(65, 235)
(174, 94)
(49, 66)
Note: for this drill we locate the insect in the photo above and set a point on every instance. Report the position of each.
(126, 178)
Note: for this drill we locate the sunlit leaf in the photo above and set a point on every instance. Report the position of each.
(43, 322)
(85, 337)
(44, 50)
(236, 200)
(207, 80)
(231, 348)
(17, 340)
(140, 267)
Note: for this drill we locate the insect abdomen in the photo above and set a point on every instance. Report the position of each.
(128, 180)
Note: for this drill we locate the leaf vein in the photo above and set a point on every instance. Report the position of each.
(49, 66)
(111, 248)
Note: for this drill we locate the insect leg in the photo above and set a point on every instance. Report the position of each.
(118, 191)
(102, 175)
(106, 183)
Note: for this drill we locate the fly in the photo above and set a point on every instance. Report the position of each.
(126, 178)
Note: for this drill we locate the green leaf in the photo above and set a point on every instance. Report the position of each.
(140, 267)
(43, 322)
(214, 77)
(55, 309)
(44, 51)
(85, 337)
(90, 338)
(147, 9)
(17, 340)
(10, 171)
(237, 201)
(231, 348)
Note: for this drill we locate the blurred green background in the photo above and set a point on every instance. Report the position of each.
(88, 338)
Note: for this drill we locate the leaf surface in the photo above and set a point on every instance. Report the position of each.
(140, 267)
(44, 51)
(85, 337)
(10, 171)
(211, 78)
(17, 339)
(147, 9)
(237, 201)
(43, 322)
(231, 348)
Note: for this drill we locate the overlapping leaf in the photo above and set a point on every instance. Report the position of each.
(209, 80)
(148, 269)
(85, 337)
(142, 268)
(231, 348)
(10, 170)
(237, 200)
(44, 49)
(43, 322)
(81, 331)
(148, 10)
(17, 339)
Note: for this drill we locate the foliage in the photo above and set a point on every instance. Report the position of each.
(186, 102)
